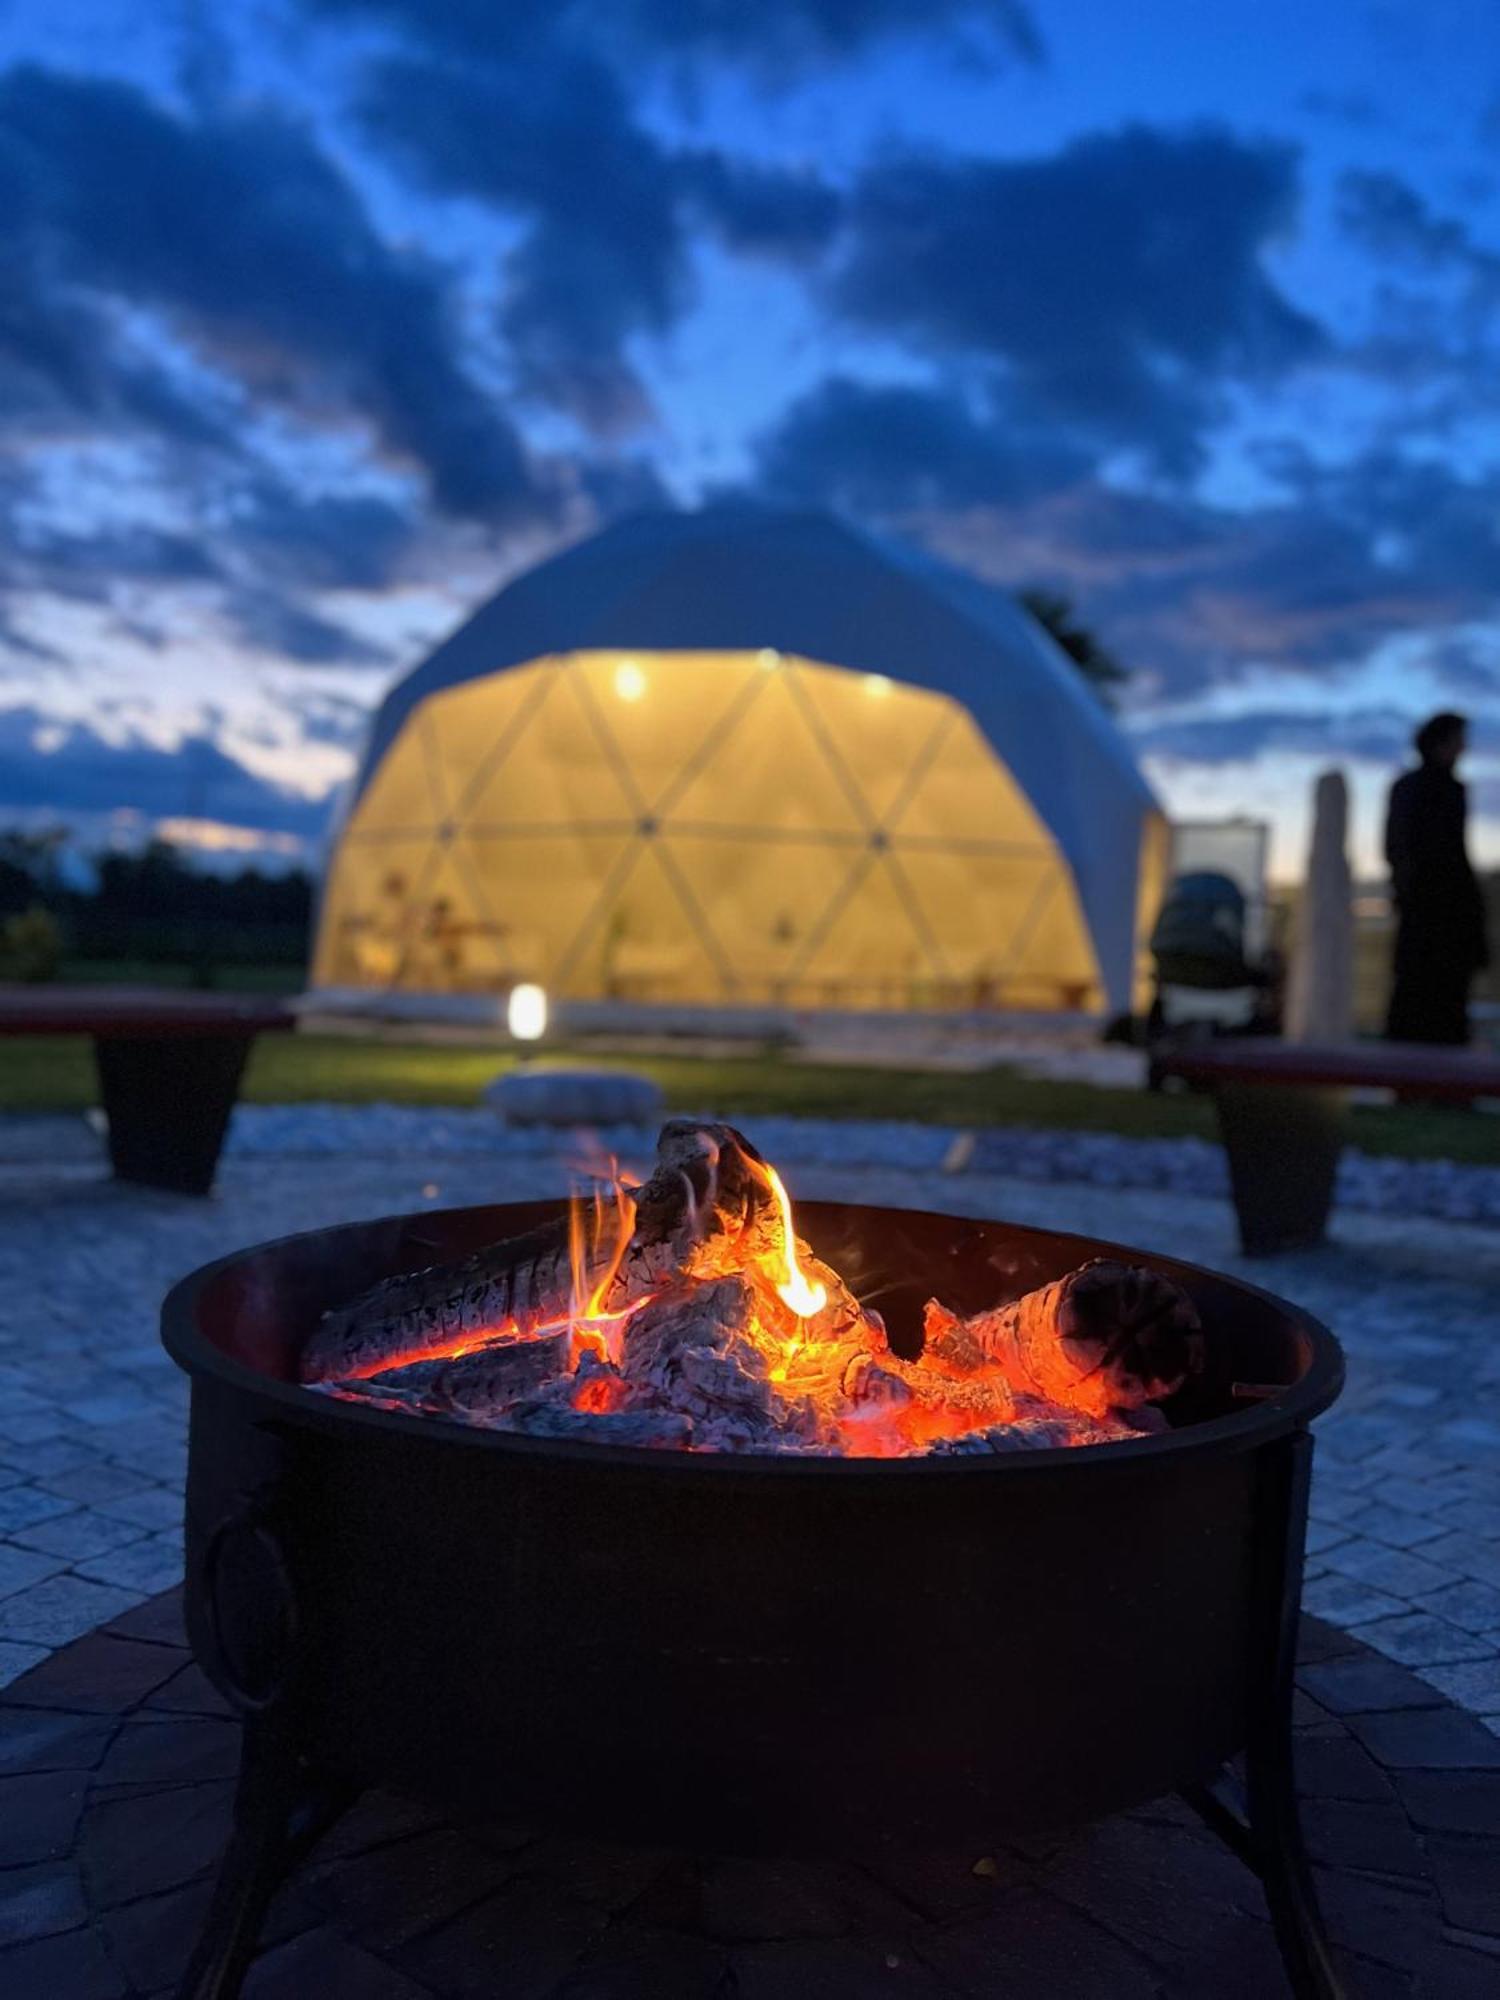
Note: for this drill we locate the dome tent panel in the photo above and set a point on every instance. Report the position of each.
(703, 603)
(770, 897)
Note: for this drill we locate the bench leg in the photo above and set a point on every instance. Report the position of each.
(1283, 1149)
(168, 1102)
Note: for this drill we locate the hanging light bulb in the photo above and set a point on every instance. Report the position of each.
(630, 682)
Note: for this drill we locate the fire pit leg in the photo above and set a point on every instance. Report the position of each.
(1266, 1831)
(280, 1813)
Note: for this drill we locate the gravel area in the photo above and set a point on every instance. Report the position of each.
(1368, 1183)
(1405, 1548)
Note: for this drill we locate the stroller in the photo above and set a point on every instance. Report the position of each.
(1206, 981)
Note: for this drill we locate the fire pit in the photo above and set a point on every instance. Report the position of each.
(742, 1650)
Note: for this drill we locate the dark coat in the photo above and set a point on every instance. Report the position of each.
(1440, 940)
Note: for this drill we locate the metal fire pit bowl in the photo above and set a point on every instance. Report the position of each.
(741, 1653)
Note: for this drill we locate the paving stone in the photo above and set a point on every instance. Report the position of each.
(1451, 1801)
(1031, 1949)
(147, 1843)
(159, 1621)
(1474, 1606)
(39, 1902)
(16, 1660)
(1336, 1767)
(60, 1608)
(1322, 1536)
(1394, 1923)
(56, 1454)
(1397, 1528)
(176, 1750)
(521, 1942)
(74, 1537)
(152, 1937)
(188, 1692)
(105, 1675)
(1468, 1880)
(153, 1507)
(1428, 1739)
(1363, 1834)
(746, 1902)
(20, 1567)
(1456, 1974)
(73, 1966)
(1473, 1517)
(24, 1506)
(1114, 1874)
(1349, 1603)
(323, 1963)
(642, 1964)
(39, 1815)
(34, 1740)
(395, 1894)
(829, 1970)
(1364, 1683)
(1420, 1640)
(140, 1566)
(1395, 1570)
(1473, 1684)
(87, 1484)
(1468, 1555)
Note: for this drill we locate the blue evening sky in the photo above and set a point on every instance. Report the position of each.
(318, 318)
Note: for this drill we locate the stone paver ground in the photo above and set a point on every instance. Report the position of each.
(116, 1772)
(1405, 1548)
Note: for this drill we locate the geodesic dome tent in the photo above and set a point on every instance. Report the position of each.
(745, 758)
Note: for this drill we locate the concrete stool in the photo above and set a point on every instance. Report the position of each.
(528, 1096)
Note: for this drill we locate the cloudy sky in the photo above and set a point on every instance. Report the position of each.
(318, 318)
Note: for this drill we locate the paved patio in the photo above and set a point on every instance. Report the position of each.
(116, 1773)
(1406, 1510)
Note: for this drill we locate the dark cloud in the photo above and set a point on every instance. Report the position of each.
(769, 38)
(607, 253)
(275, 622)
(1120, 283)
(1378, 736)
(758, 210)
(1187, 593)
(556, 141)
(1392, 220)
(70, 767)
(86, 565)
(889, 449)
(256, 250)
(335, 541)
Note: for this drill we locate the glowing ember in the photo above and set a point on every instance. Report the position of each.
(687, 1314)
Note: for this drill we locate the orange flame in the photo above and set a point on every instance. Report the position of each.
(593, 1328)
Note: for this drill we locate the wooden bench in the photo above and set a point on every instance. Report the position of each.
(169, 1068)
(1281, 1117)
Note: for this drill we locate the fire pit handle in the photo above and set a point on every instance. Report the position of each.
(250, 1610)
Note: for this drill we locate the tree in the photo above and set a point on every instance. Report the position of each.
(1054, 613)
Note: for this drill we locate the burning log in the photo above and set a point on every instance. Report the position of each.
(1036, 1427)
(711, 1205)
(1108, 1336)
(485, 1378)
(694, 1350)
(691, 1316)
(420, 1315)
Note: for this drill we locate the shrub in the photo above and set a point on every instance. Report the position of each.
(30, 946)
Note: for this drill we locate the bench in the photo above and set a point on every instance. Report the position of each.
(169, 1068)
(1281, 1117)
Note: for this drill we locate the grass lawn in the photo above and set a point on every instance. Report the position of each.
(46, 1073)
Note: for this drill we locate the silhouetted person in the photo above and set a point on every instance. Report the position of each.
(1440, 942)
